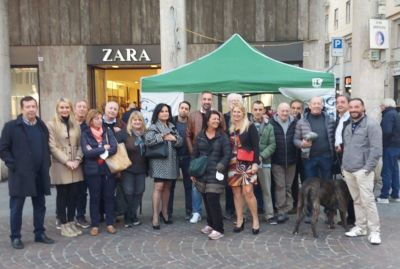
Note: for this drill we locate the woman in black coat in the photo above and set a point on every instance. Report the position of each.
(98, 143)
(213, 143)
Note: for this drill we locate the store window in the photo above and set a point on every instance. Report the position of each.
(24, 82)
(119, 85)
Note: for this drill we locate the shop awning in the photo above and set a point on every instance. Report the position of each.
(236, 67)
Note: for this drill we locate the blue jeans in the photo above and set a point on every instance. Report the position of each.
(101, 187)
(196, 200)
(39, 211)
(320, 166)
(184, 163)
(390, 173)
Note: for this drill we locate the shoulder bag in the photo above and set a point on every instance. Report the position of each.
(157, 151)
(120, 160)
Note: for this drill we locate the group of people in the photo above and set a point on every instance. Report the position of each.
(257, 159)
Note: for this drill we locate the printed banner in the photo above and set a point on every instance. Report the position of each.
(149, 101)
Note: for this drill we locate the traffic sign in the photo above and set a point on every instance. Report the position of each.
(337, 47)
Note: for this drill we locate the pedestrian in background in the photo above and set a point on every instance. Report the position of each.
(133, 177)
(242, 173)
(98, 143)
(66, 157)
(213, 142)
(164, 171)
(24, 148)
(390, 125)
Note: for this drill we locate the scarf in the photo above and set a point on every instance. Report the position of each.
(163, 129)
(139, 141)
(339, 129)
(97, 134)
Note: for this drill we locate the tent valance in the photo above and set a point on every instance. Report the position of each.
(236, 67)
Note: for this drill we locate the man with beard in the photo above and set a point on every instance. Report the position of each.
(194, 126)
(362, 148)
(180, 122)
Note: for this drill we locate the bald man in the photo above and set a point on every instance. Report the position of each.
(283, 160)
(317, 161)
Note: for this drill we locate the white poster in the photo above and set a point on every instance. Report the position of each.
(378, 34)
(149, 101)
(305, 94)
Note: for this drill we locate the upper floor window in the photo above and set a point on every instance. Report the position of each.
(336, 19)
(348, 12)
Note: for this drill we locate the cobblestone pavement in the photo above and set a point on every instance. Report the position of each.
(181, 245)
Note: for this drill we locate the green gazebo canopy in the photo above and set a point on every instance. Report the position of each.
(236, 67)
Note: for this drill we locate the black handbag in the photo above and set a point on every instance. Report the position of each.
(158, 151)
(198, 166)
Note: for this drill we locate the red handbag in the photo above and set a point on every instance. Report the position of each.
(245, 155)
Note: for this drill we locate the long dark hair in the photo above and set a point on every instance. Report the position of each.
(207, 117)
(157, 111)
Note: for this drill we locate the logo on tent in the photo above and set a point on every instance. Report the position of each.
(317, 82)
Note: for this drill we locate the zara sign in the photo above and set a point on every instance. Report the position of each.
(149, 54)
(127, 55)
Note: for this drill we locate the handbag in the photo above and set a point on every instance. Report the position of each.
(158, 151)
(198, 166)
(200, 186)
(245, 155)
(120, 160)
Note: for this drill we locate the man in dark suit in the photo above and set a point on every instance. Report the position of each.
(25, 150)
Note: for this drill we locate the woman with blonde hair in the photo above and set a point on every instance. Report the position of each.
(133, 178)
(98, 143)
(242, 173)
(66, 157)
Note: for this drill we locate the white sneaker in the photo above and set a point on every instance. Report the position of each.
(206, 230)
(67, 231)
(374, 238)
(397, 200)
(382, 200)
(75, 229)
(214, 235)
(195, 218)
(356, 231)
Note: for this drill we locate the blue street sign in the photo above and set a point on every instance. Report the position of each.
(337, 47)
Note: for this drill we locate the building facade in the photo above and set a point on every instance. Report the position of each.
(362, 71)
(98, 50)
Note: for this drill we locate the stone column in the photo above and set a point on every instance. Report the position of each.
(367, 76)
(314, 46)
(5, 75)
(172, 33)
